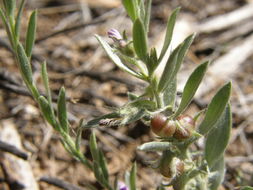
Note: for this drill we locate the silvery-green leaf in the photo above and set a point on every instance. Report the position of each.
(131, 7)
(140, 39)
(79, 135)
(218, 137)
(191, 87)
(169, 95)
(62, 110)
(115, 58)
(182, 52)
(133, 177)
(18, 18)
(157, 146)
(45, 80)
(30, 35)
(217, 174)
(47, 111)
(215, 109)
(24, 64)
(132, 117)
(168, 70)
(169, 32)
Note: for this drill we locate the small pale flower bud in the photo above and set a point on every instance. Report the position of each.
(122, 186)
(115, 35)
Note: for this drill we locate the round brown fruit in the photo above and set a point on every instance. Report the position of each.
(157, 123)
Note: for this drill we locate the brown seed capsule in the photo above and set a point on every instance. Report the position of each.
(187, 121)
(157, 123)
(180, 167)
(185, 126)
(169, 129)
(161, 127)
(182, 133)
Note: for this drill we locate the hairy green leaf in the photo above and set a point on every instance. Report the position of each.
(168, 70)
(182, 52)
(191, 87)
(169, 32)
(157, 146)
(115, 58)
(18, 18)
(45, 80)
(62, 110)
(47, 111)
(24, 64)
(30, 35)
(170, 92)
(140, 39)
(215, 109)
(217, 174)
(218, 137)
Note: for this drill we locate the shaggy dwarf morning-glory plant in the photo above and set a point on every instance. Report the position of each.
(182, 167)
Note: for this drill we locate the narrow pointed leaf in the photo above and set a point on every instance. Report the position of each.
(182, 52)
(47, 111)
(133, 177)
(18, 18)
(147, 14)
(169, 95)
(215, 109)
(62, 110)
(94, 148)
(156, 146)
(24, 64)
(45, 80)
(169, 32)
(131, 7)
(191, 87)
(10, 6)
(30, 35)
(246, 188)
(103, 165)
(218, 137)
(217, 174)
(168, 70)
(140, 39)
(115, 58)
(79, 135)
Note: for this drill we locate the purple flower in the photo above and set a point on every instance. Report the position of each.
(122, 186)
(114, 34)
